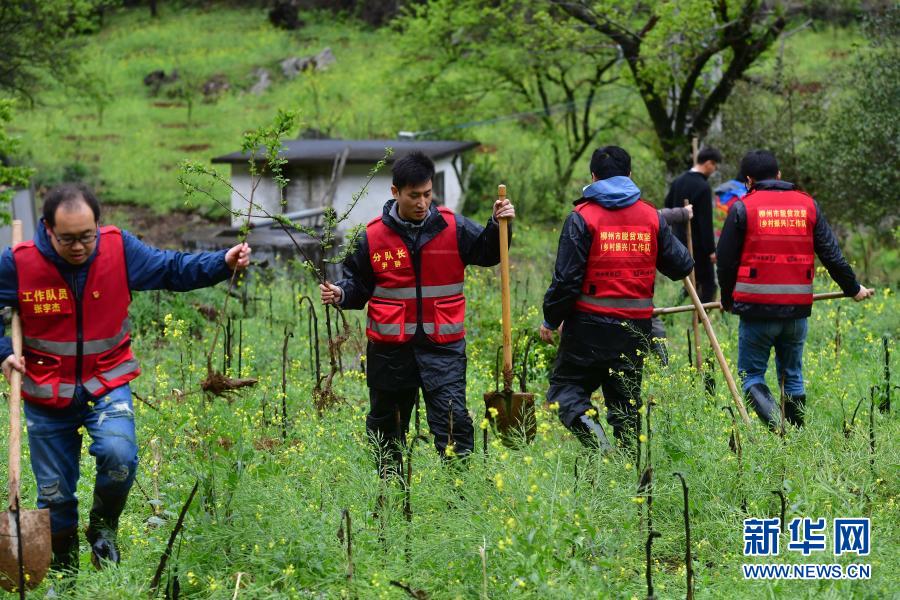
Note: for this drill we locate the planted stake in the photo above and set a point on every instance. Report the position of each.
(240, 346)
(734, 442)
(345, 521)
(168, 551)
(284, 362)
(872, 428)
(688, 560)
(649, 569)
(780, 494)
(885, 405)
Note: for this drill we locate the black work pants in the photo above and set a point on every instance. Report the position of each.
(445, 409)
(571, 386)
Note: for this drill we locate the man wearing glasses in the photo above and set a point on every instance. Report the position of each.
(72, 286)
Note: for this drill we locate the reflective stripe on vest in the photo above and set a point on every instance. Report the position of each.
(410, 328)
(71, 348)
(94, 385)
(66, 390)
(409, 293)
(773, 288)
(617, 302)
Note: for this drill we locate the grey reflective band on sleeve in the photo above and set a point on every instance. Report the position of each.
(71, 348)
(776, 289)
(617, 302)
(409, 293)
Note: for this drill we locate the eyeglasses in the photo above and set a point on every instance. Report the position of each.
(83, 239)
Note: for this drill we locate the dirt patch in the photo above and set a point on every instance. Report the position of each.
(174, 125)
(194, 147)
(163, 230)
(163, 104)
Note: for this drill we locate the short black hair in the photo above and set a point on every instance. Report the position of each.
(759, 165)
(610, 161)
(69, 194)
(709, 153)
(413, 169)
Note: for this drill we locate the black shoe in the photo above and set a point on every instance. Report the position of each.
(65, 551)
(102, 527)
(103, 548)
(590, 433)
(766, 406)
(794, 409)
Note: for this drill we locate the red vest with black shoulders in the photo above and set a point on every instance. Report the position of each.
(621, 268)
(398, 295)
(777, 260)
(68, 340)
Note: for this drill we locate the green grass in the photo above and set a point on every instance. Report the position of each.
(271, 509)
(134, 154)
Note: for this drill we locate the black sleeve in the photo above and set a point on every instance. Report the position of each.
(829, 252)
(672, 257)
(479, 245)
(359, 280)
(676, 214)
(702, 222)
(728, 253)
(568, 274)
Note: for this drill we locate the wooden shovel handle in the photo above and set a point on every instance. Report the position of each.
(504, 295)
(714, 342)
(15, 397)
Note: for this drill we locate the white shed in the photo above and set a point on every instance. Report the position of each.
(328, 172)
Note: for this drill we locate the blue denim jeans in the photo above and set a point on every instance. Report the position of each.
(756, 338)
(55, 444)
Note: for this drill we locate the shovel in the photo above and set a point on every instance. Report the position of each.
(24, 534)
(512, 412)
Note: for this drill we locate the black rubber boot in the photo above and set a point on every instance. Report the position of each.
(102, 528)
(590, 433)
(794, 409)
(766, 406)
(65, 551)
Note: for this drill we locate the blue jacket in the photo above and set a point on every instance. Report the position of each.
(148, 269)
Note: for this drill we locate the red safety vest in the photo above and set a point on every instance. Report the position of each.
(53, 322)
(393, 307)
(621, 269)
(777, 260)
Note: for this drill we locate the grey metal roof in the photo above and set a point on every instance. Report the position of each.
(361, 151)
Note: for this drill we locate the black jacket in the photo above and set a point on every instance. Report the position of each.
(731, 243)
(589, 337)
(694, 187)
(419, 361)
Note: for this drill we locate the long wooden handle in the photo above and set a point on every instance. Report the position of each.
(714, 342)
(504, 295)
(15, 398)
(695, 322)
(671, 310)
